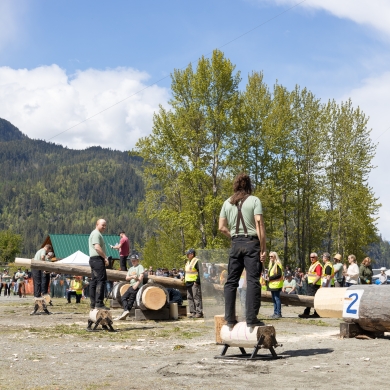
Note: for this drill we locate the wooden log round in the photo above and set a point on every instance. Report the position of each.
(124, 288)
(151, 296)
(240, 335)
(98, 314)
(116, 291)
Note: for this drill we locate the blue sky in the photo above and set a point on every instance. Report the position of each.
(63, 61)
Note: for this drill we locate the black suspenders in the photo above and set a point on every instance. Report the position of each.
(240, 217)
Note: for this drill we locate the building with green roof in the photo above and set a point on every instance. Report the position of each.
(65, 245)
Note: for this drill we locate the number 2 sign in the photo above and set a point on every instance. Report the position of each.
(352, 303)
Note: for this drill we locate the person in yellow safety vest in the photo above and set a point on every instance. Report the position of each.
(275, 283)
(75, 288)
(313, 283)
(192, 280)
(327, 271)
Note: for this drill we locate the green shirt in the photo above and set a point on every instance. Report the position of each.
(39, 254)
(289, 285)
(338, 271)
(95, 238)
(250, 208)
(138, 270)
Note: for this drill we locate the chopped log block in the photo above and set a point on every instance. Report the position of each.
(242, 336)
(219, 322)
(40, 307)
(182, 311)
(100, 317)
(151, 297)
(157, 315)
(351, 330)
(124, 288)
(116, 276)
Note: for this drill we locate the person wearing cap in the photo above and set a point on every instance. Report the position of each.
(124, 250)
(365, 271)
(98, 261)
(37, 275)
(241, 220)
(383, 276)
(289, 285)
(313, 283)
(135, 276)
(192, 281)
(338, 271)
(327, 271)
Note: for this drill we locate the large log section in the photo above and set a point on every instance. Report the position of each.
(80, 270)
(286, 299)
(365, 305)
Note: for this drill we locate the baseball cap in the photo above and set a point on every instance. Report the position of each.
(134, 257)
(190, 251)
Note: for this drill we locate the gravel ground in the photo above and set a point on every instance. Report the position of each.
(55, 352)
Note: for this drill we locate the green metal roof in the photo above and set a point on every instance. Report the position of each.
(66, 244)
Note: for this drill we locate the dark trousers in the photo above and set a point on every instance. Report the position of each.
(311, 291)
(45, 282)
(128, 298)
(98, 281)
(244, 253)
(7, 289)
(123, 263)
(37, 282)
(70, 293)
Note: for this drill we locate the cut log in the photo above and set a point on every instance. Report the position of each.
(266, 296)
(98, 314)
(116, 276)
(247, 337)
(124, 288)
(40, 306)
(219, 322)
(365, 305)
(153, 298)
(157, 315)
(116, 291)
(329, 302)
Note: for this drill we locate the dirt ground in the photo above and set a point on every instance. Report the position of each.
(55, 352)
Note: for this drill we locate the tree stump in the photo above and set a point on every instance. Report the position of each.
(100, 317)
(152, 297)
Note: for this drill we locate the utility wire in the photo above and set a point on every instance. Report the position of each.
(163, 78)
(381, 134)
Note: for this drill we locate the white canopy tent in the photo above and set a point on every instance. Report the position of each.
(77, 258)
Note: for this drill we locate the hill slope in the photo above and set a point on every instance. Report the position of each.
(46, 188)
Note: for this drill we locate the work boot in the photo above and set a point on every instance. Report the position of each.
(304, 315)
(123, 316)
(315, 315)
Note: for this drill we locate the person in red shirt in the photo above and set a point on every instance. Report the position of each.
(124, 250)
(313, 283)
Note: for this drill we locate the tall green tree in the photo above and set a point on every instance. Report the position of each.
(10, 245)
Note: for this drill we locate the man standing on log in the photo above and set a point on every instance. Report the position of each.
(242, 214)
(38, 280)
(313, 283)
(192, 279)
(98, 262)
(124, 250)
(135, 275)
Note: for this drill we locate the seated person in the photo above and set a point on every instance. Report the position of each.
(289, 285)
(174, 296)
(75, 288)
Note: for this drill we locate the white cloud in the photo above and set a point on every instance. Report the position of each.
(45, 101)
(373, 98)
(374, 13)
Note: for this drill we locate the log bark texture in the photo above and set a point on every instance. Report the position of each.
(116, 276)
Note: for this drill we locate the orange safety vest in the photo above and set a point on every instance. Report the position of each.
(311, 275)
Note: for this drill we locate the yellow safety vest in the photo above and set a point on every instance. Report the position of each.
(276, 283)
(331, 275)
(191, 274)
(311, 275)
(77, 285)
(263, 283)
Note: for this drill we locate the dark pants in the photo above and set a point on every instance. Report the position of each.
(37, 282)
(128, 298)
(244, 253)
(123, 263)
(194, 298)
(70, 293)
(45, 282)
(98, 281)
(7, 289)
(277, 302)
(311, 291)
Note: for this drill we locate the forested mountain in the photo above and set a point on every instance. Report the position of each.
(47, 188)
